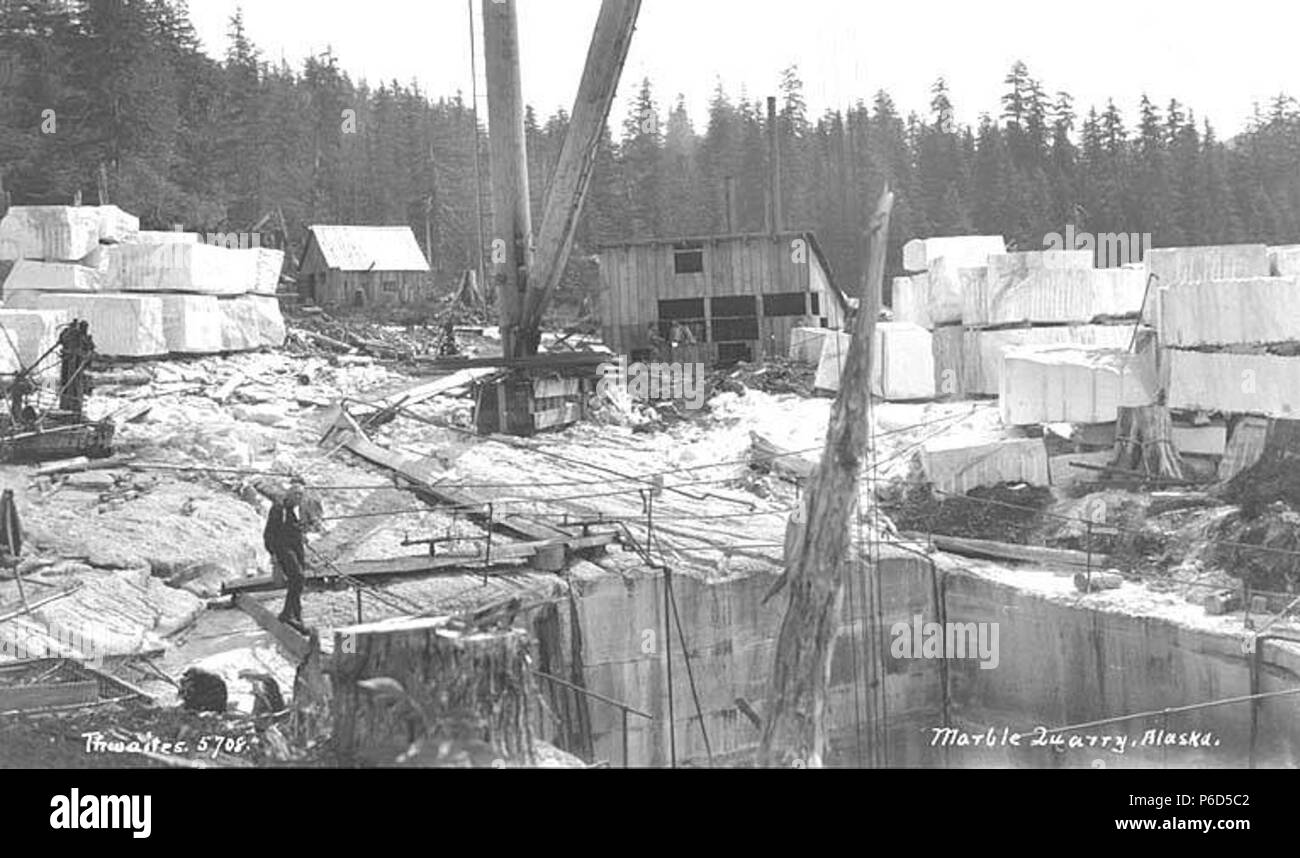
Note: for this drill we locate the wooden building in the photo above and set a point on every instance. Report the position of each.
(363, 266)
(739, 295)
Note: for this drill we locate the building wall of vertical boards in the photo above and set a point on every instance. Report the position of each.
(641, 286)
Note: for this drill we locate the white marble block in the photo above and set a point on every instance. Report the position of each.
(1248, 311)
(191, 323)
(30, 276)
(1285, 261)
(904, 362)
(270, 262)
(181, 267)
(1073, 384)
(28, 337)
(271, 330)
(121, 325)
(1174, 265)
(1234, 383)
(1208, 440)
(983, 350)
(962, 251)
(115, 225)
(955, 465)
(241, 327)
(52, 233)
(806, 344)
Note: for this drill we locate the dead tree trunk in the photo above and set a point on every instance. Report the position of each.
(794, 730)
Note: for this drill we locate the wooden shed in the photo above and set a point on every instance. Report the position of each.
(363, 266)
(740, 295)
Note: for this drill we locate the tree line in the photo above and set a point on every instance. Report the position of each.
(119, 93)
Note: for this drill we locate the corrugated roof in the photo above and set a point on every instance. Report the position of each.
(369, 248)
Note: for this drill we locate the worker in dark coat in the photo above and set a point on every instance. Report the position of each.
(283, 538)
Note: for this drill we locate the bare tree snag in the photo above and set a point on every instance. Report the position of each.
(795, 725)
(512, 226)
(568, 190)
(1144, 438)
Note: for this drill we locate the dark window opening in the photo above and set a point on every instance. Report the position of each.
(784, 304)
(816, 307)
(734, 318)
(688, 261)
(730, 354)
(687, 312)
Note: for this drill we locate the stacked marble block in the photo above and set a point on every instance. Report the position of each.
(144, 294)
(1222, 313)
(902, 366)
(1070, 324)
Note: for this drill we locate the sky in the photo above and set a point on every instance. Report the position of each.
(1219, 62)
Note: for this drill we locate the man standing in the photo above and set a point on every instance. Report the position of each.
(283, 538)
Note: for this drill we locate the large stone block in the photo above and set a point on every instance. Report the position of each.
(1234, 383)
(180, 267)
(241, 325)
(962, 251)
(1285, 261)
(1174, 265)
(53, 233)
(121, 325)
(806, 344)
(1229, 312)
(28, 337)
(1074, 384)
(115, 225)
(949, 358)
(1208, 440)
(1051, 286)
(983, 350)
(947, 285)
(166, 237)
(191, 323)
(903, 368)
(30, 276)
(271, 330)
(955, 465)
(270, 263)
(911, 298)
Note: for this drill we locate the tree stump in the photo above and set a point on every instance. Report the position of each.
(1144, 441)
(430, 692)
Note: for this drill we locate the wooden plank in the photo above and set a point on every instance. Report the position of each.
(419, 393)
(504, 557)
(475, 508)
(1010, 551)
(26, 698)
(295, 643)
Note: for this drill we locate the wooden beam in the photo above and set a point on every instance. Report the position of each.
(606, 56)
(295, 643)
(794, 732)
(348, 435)
(512, 225)
(504, 557)
(1010, 551)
